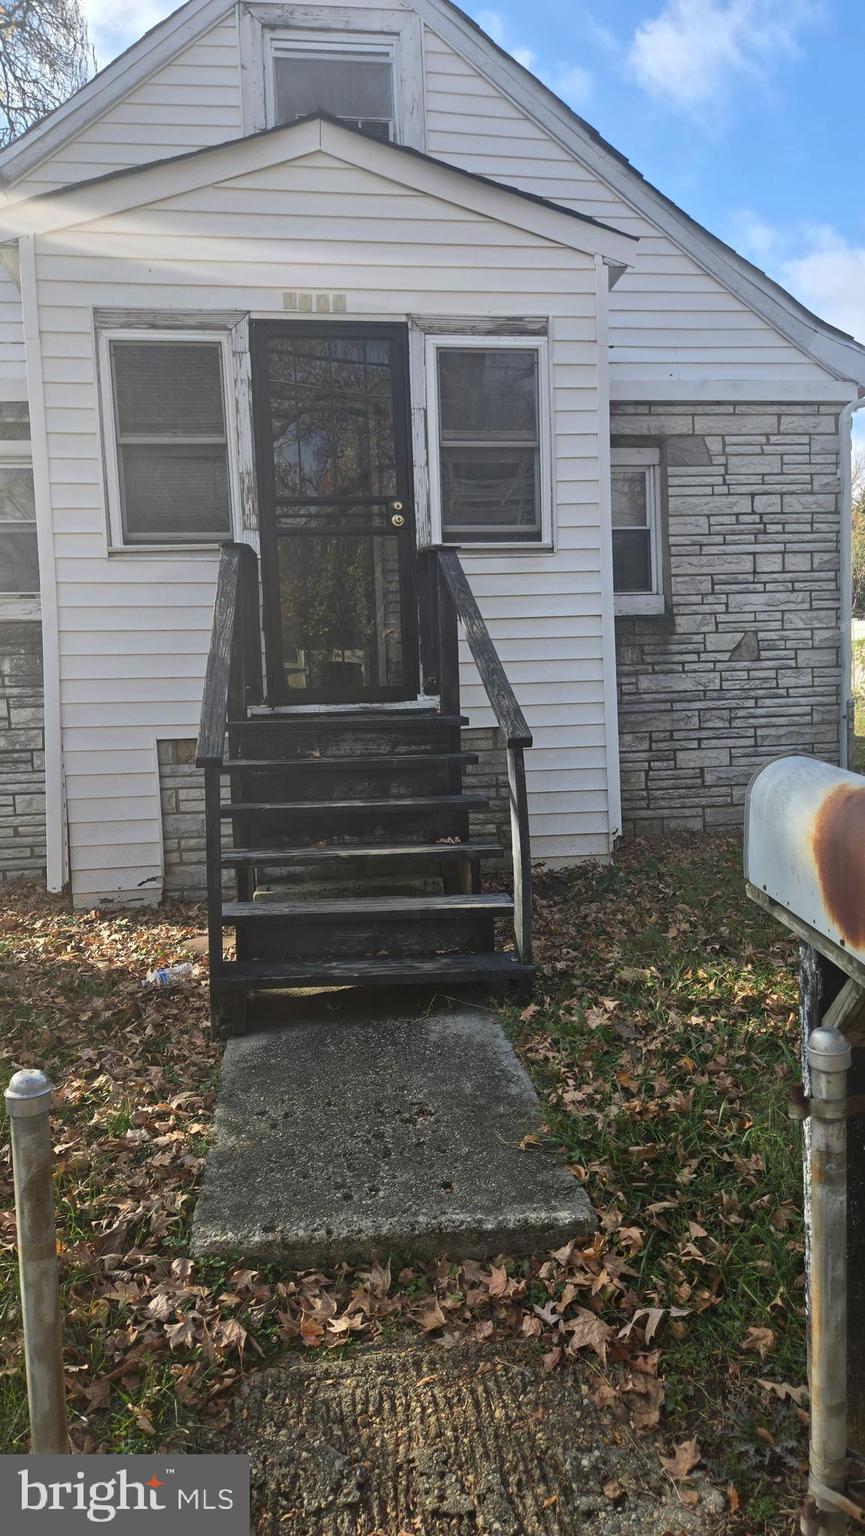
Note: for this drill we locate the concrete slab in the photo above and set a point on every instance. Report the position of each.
(363, 1136)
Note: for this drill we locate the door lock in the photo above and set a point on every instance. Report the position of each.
(396, 506)
(398, 520)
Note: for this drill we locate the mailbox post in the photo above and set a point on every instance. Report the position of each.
(805, 864)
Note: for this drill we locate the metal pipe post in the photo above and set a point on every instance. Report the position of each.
(829, 1059)
(29, 1098)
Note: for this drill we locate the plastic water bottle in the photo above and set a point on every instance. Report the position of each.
(166, 975)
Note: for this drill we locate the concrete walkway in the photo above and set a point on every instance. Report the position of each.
(476, 1441)
(356, 1134)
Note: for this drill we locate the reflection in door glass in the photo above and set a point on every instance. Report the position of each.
(340, 613)
(332, 415)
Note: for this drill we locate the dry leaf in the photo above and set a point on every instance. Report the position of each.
(684, 1459)
(761, 1340)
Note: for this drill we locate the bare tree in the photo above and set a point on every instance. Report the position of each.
(45, 55)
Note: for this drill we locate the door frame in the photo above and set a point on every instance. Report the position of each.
(396, 333)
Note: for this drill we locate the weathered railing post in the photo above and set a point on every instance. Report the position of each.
(829, 1059)
(29, 1098)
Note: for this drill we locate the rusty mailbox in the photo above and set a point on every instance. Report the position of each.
(805, 855)
(805, 864)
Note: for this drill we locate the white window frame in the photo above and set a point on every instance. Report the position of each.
(649, 460)
(262, 28)
(284, 44)
(17, 453)
(116, 538)
(538, 345)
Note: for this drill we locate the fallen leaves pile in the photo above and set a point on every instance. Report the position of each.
(662, 1036)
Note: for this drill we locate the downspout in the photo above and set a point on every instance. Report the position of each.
(845, 446)
(55, 807)
(606, 275)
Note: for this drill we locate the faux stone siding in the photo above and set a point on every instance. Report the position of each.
(489, 777)
(22, 749)
(181, 789)
(181, 792)
(746, 665)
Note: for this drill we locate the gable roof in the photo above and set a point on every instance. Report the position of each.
(156, 180)
(833, 349)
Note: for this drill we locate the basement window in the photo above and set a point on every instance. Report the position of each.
(19, 559)
(166, 438)
(636, 501)
(489, 421)
(351, 81)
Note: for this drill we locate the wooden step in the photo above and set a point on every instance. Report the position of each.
(398, 806)
(360, 764)
(410, 852)
(408, 720)
(366, 907)
(418, 970)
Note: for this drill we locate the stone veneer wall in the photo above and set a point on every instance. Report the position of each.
(181, 788)
(22, 749)
(22, 737)
(745, 666)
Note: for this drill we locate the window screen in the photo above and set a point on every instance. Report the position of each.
(489, 444)
(354, 85)
(172, 454)
(19, 563)
(633, 562)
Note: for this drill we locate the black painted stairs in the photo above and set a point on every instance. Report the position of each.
(346, 835)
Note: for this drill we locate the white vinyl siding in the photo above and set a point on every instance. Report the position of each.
(668, 318)
(188, 104)
(395, 253)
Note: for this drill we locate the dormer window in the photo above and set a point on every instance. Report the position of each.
(353, 81)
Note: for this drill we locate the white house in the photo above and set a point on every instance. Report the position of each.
(280, 266)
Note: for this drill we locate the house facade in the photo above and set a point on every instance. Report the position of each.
(342, 283)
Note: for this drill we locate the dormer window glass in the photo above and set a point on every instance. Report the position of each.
(351, 81)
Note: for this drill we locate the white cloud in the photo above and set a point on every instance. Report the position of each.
(693, 50)
(570, 81)
(818, 264)
(113, 26)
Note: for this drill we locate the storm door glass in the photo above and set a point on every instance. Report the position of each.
(338, 544)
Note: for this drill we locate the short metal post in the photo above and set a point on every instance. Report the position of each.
(829, 1059)
(29, 1098)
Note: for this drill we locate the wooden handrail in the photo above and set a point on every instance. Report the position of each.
(456, 600)
(512, 722)
(234, 644)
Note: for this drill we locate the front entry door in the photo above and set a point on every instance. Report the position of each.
(335, 497)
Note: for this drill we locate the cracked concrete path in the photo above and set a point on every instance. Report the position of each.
(477, 1441)
(358, 1134)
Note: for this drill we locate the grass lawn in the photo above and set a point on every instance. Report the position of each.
(662, 1039)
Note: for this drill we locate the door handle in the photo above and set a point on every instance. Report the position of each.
(398, 520)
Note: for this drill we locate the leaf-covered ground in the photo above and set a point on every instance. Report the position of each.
(662, 1039)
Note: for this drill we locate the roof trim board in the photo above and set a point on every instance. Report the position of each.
(839, 354)
(101, 196)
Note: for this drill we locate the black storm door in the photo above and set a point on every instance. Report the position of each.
(335, 497)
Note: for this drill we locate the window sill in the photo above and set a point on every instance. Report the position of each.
(634, 605)
(542, 547)
(20, 606)
(147, 551)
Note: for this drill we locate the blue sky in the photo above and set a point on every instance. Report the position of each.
(742, 111)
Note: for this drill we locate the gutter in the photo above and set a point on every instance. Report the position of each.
(846, 723)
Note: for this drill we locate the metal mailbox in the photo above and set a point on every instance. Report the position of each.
(805, 863)
(805, 854)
